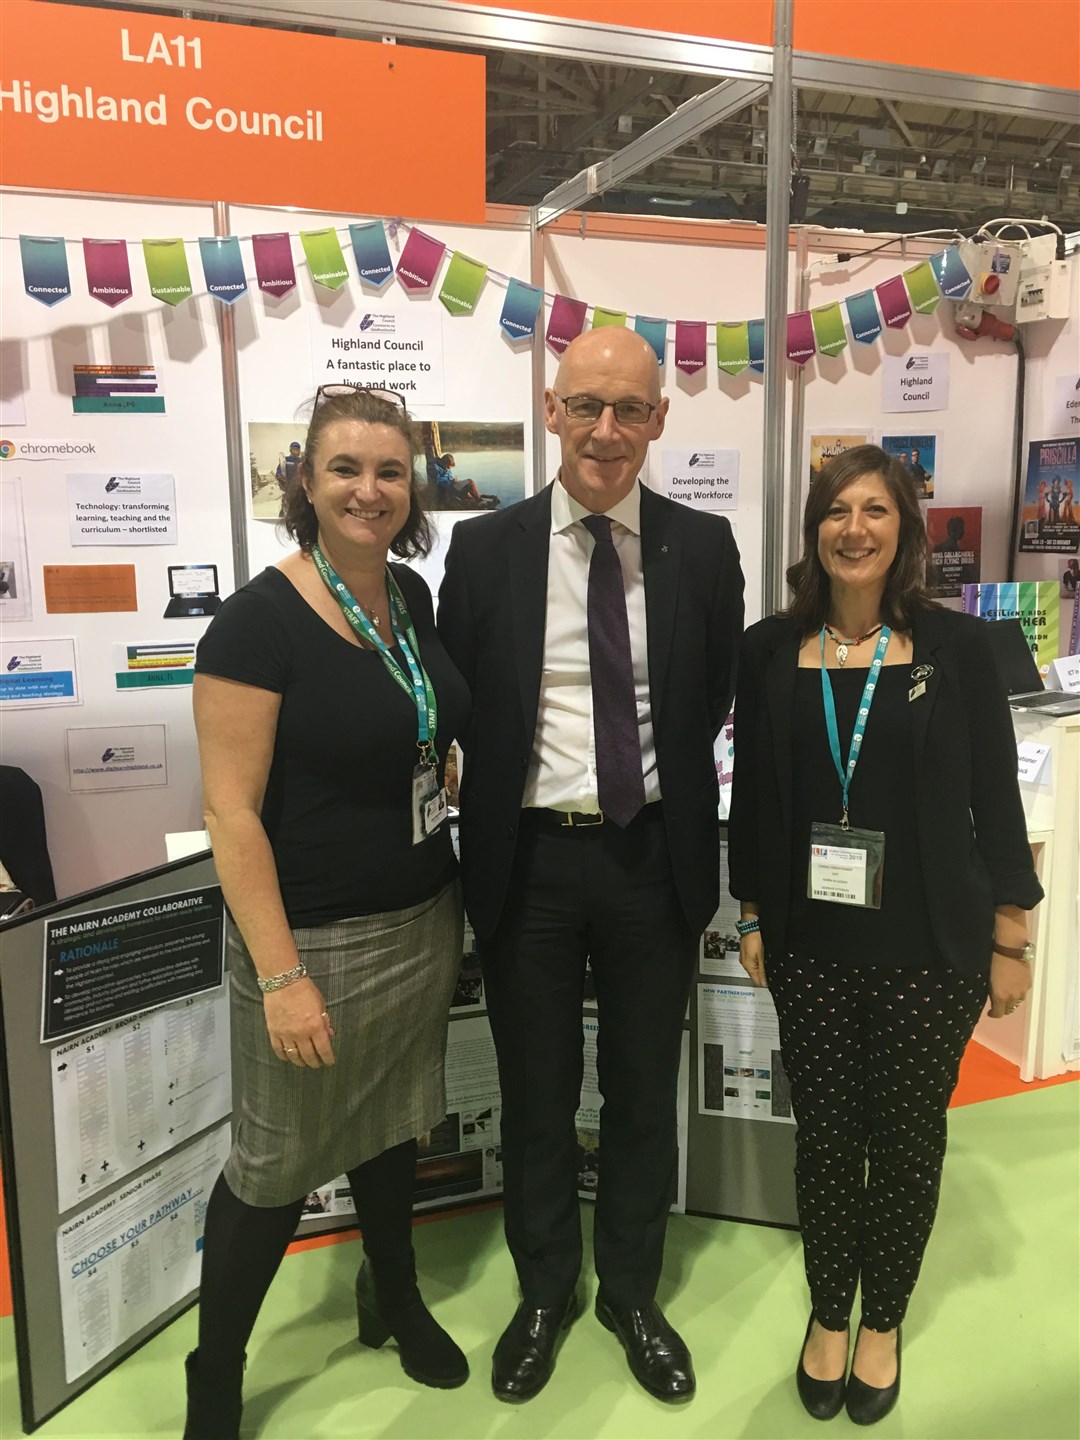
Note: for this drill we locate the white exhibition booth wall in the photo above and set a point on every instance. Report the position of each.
(712, 271)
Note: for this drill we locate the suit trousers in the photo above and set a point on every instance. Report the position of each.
(607, 896)
(872, 1054)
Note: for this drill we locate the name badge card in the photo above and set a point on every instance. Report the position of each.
(429, 809)
(847, 866)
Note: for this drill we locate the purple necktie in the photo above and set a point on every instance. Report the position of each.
(619, 782)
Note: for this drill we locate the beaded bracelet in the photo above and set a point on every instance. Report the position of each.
(747, 927)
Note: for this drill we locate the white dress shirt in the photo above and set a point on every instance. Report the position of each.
(562, 771)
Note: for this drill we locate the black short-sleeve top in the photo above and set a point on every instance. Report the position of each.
(337, 809)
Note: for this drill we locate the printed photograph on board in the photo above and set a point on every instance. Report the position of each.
(918, 455)
(1050, 518)
(463, 466)
(954, 549)
(824, 448)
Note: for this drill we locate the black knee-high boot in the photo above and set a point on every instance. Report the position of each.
(243, 1246)
(388, 1301)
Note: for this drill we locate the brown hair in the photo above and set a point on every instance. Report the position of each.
(904, 588)
(298, 514)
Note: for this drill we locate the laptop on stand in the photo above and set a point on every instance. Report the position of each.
(1020, 675)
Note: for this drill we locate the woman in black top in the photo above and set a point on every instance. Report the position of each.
(324, 705)
(883, 872)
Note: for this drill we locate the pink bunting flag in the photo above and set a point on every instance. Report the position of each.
(690, 346)
(894, 302)
(800, 337)
(566, 322)
(274, 263)
(419, 262)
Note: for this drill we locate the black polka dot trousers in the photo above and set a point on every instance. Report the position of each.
(872, 1055)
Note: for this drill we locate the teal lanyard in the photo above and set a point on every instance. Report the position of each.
(416, 683)
(867, 700)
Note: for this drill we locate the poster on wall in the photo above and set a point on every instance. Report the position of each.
(126, 1093)
(15, 601)
(1050, 517)
(913, 383)
(153, 667)
(122, 509)
(37, 673)
(720, 943)
(740, 1073)
(1035, 603)
(464, 466)
(124, 1261)
(116, 390)
(89, 589)
(824, 448)
(919, 456)
(400, 350)
(704, 479)
(1070, 580)
(116, 757)
(954, 549)
(1064, 417)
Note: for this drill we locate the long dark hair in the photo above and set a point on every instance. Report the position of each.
(298, 514)
(905, 593)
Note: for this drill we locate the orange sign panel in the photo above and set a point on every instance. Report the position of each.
(89, 589)
(137, 104)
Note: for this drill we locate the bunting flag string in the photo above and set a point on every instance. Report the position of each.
(740, 344)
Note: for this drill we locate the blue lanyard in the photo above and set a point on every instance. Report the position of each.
(417, 684)
(860, 719)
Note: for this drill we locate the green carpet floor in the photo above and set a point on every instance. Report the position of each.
(992, 1340)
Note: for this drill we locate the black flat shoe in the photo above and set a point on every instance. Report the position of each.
(524, 1358)
(657, 1355)
(427, 1352)
(867, 1404)
(823, 1399)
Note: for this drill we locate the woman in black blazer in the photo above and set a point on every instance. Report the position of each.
(883, 871)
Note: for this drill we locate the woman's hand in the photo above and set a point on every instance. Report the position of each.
(1010, 981)
(752, 957)
(298, 1025)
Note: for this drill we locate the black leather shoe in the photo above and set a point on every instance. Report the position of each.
(821, 1398)
(524, 1358)
(657, 1354)
(867, 1404)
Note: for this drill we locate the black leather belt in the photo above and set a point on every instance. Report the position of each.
(582, 820)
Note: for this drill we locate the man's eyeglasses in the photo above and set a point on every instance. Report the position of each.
(589, 408)
(341, 392)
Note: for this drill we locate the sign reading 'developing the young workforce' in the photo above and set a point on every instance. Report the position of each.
(122, 509)
(101, 965)
(915, 382)
(703, 479)
(130, 103)
(398, 350)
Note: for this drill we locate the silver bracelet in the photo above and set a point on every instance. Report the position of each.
(287, 977)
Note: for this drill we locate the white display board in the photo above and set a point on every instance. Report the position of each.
(98, 836)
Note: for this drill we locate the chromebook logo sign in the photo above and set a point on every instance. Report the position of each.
(7, 449)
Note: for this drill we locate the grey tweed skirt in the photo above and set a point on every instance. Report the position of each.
(387, 981)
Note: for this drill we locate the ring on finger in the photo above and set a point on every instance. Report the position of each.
(290, 1049)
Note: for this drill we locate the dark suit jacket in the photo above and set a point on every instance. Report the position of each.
(970, 819)
(492, 608)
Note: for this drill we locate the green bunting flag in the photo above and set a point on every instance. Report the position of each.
(167, 270)
(602, 316)
(324, 257)
(733, 346)
(829, 333)
(922, 286)
(462, 284)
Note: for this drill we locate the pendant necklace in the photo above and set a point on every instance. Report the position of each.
(842, 646)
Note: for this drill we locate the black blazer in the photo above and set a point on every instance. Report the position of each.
(970, 819)
(492, 611)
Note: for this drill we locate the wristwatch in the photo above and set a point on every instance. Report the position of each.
(1025, 952)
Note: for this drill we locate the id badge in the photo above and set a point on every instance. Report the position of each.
(846, 866)
(428, 803)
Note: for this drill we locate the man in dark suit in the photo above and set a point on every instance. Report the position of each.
(597, 624)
